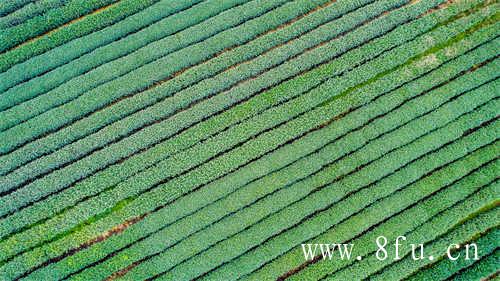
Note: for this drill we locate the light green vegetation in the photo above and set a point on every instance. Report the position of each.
(209, 139)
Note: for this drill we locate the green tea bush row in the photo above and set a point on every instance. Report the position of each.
(56, 205)
(75, 59)
(211, 193)
(101, 185)
(29, 11)
(55, 49)
(70, 216)
(239, 242)
(444, 268)
(184, 161)
(377, 213)
(480, 270)
(179, 230)
(405, 267)
(7, 7)
(196, 176)
(159, 111)
(13, 36)
(458, 231)
(158, 130)
(139, 70)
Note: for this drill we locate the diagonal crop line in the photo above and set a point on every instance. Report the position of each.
(404, 211)
(7, 8)
(414, 205)
(431, 244)
(444, 269)
(32, 154)
(148, 123)
(30, 11)
(42, 91)
(13, 78)
(170, 223)
(301, 267)
(453, 227)
(192, 257)
(338, 178)
(122, 206)
(494, 256)
(437, 269)
(271, 30)
(491, 205)
(56, 103)
(12, 38)
(67, 38)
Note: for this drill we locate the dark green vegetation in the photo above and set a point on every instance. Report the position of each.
(180, 140)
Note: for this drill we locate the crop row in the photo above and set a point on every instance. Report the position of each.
(196, 201)
(254, 189)
(29, 11)
(156, 131)
(444, 268)
(436, 206)
(164, 153)
(450, 220)
(165, 108)
(139, 70)
(384, 222)
(102, 161)
(269, 185)
(220, 142)
(75, 58)
(405, 267)
(13, 36)
(54, 46)
(7, 7)
(155, 194)
(196, 248)
(481, 270)
(379, 213)
(211, 126)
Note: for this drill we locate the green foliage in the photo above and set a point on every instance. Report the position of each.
(15, 35)
(444, 268)
(208, 140)
(29, 11)
(139, 70)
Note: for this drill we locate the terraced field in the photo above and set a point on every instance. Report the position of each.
(212, 139)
